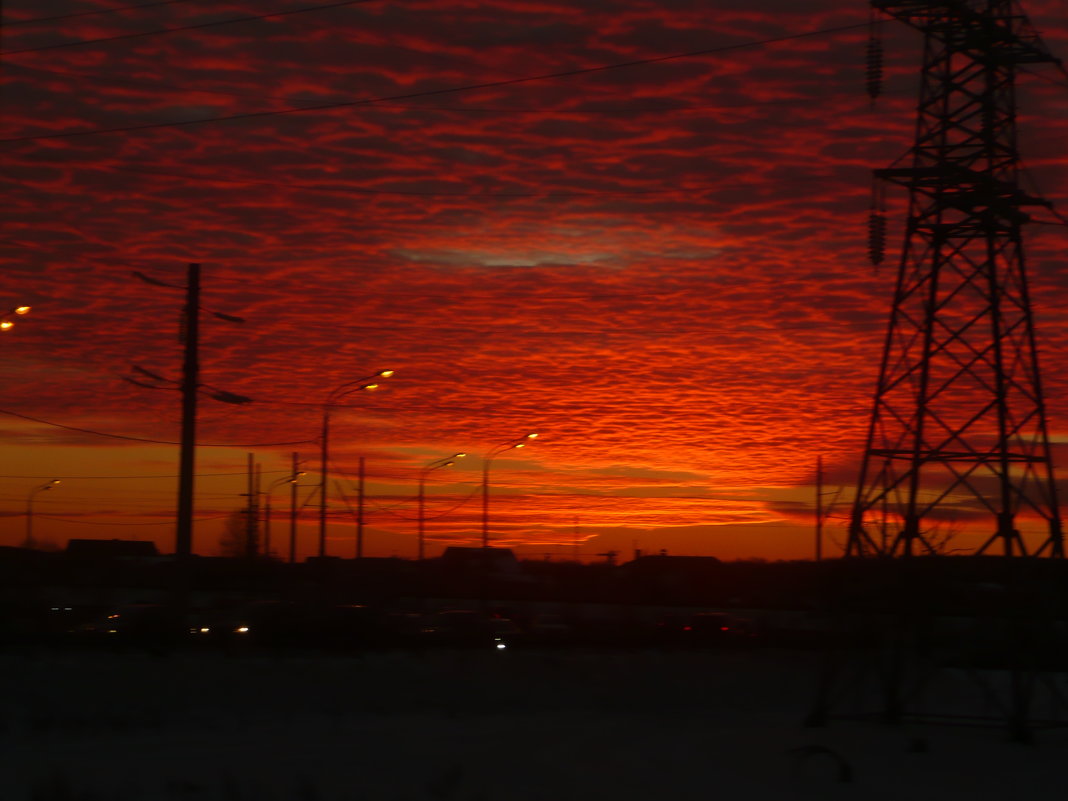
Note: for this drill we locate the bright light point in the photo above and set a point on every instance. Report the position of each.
(242, 629)
(532, 436)
(384, 373)
(205, 630)
(6, 324)
(370, 386)
(501, 646)
(520, 444)
(22, 310)
(460, 455)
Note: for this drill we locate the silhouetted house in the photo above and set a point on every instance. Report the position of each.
(673, 579)
(659, 564)
(493, 561)
(112, 549)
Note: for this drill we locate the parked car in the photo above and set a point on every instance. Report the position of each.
(466, 628)
(552, 630)
(277, 624)
(718, 628)
(154, 627)
(706, 630)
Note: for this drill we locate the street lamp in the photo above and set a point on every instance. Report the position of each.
(336, 394)
(5, 318)
(431, 467)
(290, 479)
(29, 509)
(486, 460)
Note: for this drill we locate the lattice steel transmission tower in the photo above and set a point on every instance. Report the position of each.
(958, 426)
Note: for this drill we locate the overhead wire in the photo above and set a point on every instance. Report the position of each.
(349, 190)
(438, 92)
(93, 478)
(145, 439)
(439, 515)
(405, 501)
(195, 27)
(94, 13)
(659, 109)
(115, 523)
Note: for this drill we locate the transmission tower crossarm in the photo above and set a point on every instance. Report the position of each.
(959, 419)
(1005, 36)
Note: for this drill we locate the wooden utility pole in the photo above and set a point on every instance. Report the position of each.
(250, 511)
(293, 513)
(190, 335)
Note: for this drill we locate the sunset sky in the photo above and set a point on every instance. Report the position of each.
(660, 267)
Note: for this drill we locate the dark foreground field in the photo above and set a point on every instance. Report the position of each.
(478, 725)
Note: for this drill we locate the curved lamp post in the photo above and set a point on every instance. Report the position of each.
(290, 479)
(486, 461)
(335, 395)
(432, 466)
(5, 317)
(29, 509)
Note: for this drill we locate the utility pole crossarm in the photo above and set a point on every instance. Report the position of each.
(1010, 38)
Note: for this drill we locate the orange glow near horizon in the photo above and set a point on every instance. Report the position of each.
(660, 269)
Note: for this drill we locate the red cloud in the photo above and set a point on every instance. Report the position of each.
(661, 268)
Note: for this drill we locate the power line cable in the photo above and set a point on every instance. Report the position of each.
(1049, 78)
(437, 92)
(198, 26)
(407, 193)
(110, 523)
(97, 12)
(143, 439)
(389, 509)
(156, 85)
(93, 478)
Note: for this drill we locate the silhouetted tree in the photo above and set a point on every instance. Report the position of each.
(234, 540)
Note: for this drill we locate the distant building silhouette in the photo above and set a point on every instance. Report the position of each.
(112, 549)
(493, 560)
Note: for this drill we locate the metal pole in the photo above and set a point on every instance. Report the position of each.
(359, 513)
(257, 496)
(29, 509)
(485, 501)
(819, 508)
(293, 514)
(250, 512)
(323, 456)
(267, 526)
(29, 520)
(183, 546)
(422, 515)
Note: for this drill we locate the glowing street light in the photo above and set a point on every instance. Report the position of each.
(486, 460)
(432, 466)
(5, 318)
(290, 479)
(366, 384)
(29, 509)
